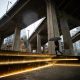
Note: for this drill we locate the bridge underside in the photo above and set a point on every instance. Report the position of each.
(28, 11)
(42, 31)
(76, 37)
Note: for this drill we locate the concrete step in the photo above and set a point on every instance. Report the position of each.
(19, 58)
(26, 55)
(14, 63)
(8, 70)
(18, 53)
(24, 61)
(12, 69)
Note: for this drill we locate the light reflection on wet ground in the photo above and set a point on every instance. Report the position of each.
(51, 73)
(61, 70)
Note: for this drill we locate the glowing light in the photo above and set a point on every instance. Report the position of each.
(31, 61)
(26, 70)
(25, 55)
(54, 64)
(71, 59)
(70, 65)
(22, 62)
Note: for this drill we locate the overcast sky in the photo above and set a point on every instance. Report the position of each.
(4, 4)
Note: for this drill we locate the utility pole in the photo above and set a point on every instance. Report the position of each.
(28, 41)
(28, 33)
(8, 5)
(28, 37)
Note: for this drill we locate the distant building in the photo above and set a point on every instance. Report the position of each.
(22, 46)
(8, 46)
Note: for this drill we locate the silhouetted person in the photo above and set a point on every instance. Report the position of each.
(57, 47)
(56, 39)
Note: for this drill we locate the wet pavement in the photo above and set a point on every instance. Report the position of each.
(50, 73)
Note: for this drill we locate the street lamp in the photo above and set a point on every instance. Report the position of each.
(28, 33)
(8, 5)
(28, 41)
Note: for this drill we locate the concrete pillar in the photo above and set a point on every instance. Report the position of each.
(52, 25)
(16, 42)
(43, 48)
(68, 45)
(38, 43)
(29, 47)
(60, 45)
(1, 42)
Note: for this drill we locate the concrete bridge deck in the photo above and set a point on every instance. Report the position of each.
(24, 13)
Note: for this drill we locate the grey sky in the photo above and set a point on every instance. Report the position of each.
(3, 6)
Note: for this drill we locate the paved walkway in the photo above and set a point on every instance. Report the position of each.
(51, 73)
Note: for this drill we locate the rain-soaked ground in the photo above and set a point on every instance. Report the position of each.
(50, 73)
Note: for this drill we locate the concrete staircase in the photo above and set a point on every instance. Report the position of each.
(12, 63)
(17, 62)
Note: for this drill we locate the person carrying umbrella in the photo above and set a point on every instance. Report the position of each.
(56, 42)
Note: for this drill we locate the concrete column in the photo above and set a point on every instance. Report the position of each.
(1, 42)
(52, 25)
(38, 43)
(43, 48)
(60, 46)
(29, 47)
(16, 42)
(68, 45)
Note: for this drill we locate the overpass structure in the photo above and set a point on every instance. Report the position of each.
(61, 15)
(40, 37)
(76, 37)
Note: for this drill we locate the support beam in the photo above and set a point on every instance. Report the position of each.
(76, 37)
(16, 42)
(70, 18)
(38, 43)
(52, 25)
(43, 48)
(68, 45)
